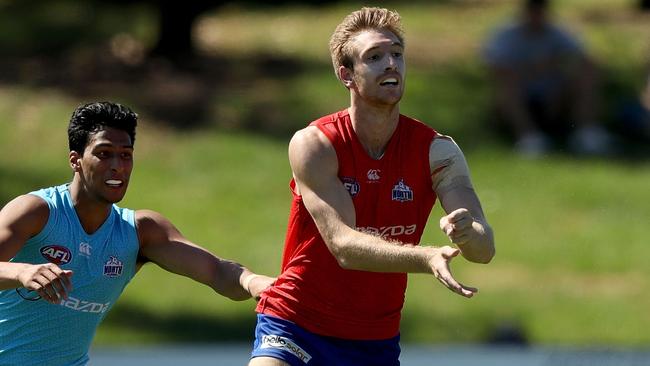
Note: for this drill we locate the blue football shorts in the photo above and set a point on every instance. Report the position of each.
(284, 340)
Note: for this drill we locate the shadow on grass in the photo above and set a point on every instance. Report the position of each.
(474, 328)
(194, 328)
(183, 327)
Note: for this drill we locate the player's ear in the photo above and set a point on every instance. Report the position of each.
(347, 76)
(75, 161)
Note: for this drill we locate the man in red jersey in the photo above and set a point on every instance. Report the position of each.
(364, 182)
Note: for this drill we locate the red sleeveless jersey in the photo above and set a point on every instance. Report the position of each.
(392, 197)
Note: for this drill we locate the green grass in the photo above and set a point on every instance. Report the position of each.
(571, 264)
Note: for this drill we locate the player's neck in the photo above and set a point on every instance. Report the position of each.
(91, 212)
(374, 127)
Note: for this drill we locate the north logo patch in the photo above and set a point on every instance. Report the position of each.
(113, 267)
(402, 192)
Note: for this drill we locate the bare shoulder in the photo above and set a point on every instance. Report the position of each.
(449, 168)
(310, 147)
(152, 226)
(312, 158)
(149, 219)
(309, 140)
(28, 209)
(444, 152)
(22, 218)
(147, 216)
(444, 147)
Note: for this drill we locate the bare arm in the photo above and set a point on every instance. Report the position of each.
(465, 224)
(21, 219)
(315, 167)
(163, 244)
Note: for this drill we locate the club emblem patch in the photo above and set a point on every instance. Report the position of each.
(113, 267)
(402, 192)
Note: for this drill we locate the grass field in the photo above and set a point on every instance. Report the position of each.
(571, 265)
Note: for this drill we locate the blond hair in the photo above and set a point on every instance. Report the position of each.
(363, 19)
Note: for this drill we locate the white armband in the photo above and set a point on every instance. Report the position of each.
(247, 281)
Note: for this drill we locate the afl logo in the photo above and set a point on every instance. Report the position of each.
(56, 254)
(351, 185)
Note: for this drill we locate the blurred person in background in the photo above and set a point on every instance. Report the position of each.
(644, 5)
(546, 86)
(67, 252)
(364, 181)
(644, 100)
(645, 93)
(633, 118)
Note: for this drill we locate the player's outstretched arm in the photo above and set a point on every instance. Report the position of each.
(163, 244)
(465, 224)
(21, 219)
(315, 169)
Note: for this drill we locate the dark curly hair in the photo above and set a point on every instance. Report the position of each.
(93, 117)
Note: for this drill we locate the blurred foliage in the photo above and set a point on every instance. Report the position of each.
(265, 68)
(49, 28)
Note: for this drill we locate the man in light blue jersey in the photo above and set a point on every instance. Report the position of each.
(67, 252)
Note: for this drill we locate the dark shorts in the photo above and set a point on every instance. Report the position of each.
(284, 340)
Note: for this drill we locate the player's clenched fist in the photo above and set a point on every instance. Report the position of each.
(458, 226)
(50, 281)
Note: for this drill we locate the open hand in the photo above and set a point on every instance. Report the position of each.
(440, 267)
(50, 281)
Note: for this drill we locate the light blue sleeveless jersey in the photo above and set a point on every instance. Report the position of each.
(40, 333)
